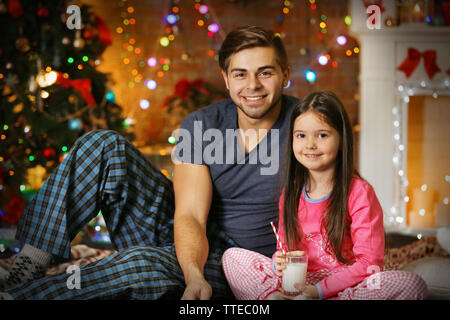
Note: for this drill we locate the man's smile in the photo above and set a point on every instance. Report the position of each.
(254, 98)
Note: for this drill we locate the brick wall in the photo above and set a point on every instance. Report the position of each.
(299, 33)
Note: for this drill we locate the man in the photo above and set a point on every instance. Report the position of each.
(219, 201)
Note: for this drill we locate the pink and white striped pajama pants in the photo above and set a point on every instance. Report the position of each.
(251, 277)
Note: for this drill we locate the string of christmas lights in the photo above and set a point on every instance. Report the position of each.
(331, 41)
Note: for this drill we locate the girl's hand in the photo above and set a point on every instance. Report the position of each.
(280, 260)
(280, 263)
(308, 291)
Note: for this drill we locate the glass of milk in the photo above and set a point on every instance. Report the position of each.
(295, 272)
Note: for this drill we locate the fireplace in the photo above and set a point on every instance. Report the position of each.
(428, 162)
(404, 121)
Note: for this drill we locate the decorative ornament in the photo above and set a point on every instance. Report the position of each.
(22, 44)
(32, 84)
(42, 12)
(65, 41)
(6, 90)
(49, 153)
(36, 175)
(14, 210)
(12, 98)
(186, 57)
(303, 51)
(75, 124)
(418, 11)
(390, 22)
(88, 34)
(46, 79)
(110, 97)
(3, 8)
(18, 108)
(83, 86)
(413, 59)
(103, 31)
(72, 99)
(15, 9)
(11, 79)
(79, 41)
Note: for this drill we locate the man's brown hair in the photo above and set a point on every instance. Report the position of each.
(247, 37)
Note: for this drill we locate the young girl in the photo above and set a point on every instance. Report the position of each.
(328, 212)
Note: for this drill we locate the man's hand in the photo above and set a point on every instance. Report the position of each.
(193, 193)
(197, 290)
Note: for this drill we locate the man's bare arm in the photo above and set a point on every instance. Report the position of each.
(193, 192)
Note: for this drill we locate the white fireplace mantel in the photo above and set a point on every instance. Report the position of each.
(382, 51)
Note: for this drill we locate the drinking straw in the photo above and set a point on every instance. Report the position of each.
(278, 238)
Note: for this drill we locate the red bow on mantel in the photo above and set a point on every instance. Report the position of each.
(378, 3)
(83, 86)
(412, 61)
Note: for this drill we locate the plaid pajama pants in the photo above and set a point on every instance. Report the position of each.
(103, 171)
(251, 277)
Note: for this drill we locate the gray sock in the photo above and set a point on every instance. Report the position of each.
(30, 264)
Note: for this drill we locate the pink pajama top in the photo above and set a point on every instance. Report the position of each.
(366, 244)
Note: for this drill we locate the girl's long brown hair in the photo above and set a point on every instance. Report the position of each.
(335, 220)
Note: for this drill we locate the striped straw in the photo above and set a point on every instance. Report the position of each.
(279, 245)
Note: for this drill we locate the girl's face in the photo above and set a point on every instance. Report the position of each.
(315, 143)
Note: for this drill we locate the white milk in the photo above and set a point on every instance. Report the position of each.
(294, 273)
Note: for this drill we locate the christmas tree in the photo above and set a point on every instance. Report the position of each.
(50, 91)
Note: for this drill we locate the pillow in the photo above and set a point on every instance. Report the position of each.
(443, 237)
(436, 273)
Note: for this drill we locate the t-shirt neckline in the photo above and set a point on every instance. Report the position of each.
(308, 199)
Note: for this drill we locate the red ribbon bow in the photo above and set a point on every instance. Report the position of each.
(412, 61)
(15, 9)
(14, 210)
(83, 86)
(103, 31)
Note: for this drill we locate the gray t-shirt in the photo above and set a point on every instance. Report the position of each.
(245, 184)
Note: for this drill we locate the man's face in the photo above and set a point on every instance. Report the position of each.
(255, 81)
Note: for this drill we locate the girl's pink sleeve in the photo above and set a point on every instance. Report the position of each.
(367, 235)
